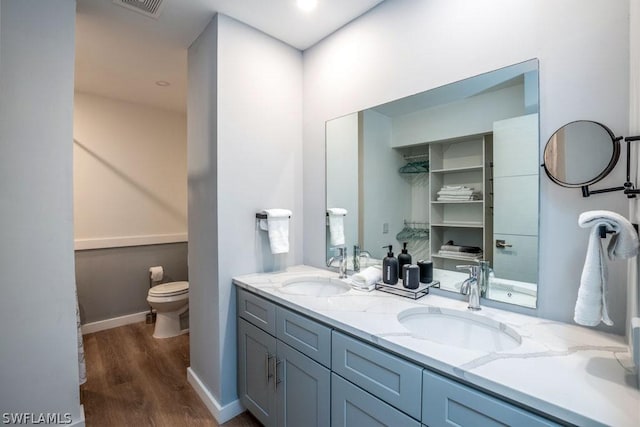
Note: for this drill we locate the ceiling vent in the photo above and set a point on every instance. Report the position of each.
(150, 8)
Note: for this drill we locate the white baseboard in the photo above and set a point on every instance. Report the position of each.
(222, 414)
(101, 325)
(80, 422)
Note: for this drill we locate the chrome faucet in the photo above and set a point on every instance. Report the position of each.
(357, 254)
(471, 286)
(342, 258)
(484, 275)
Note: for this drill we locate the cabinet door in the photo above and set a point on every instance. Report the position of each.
(353, 407)
(516, 181)
(303, 390)
(256, 364)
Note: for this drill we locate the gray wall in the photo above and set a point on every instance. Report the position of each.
(403, 47)
(115, 281)
(244, 155)
(38, 354)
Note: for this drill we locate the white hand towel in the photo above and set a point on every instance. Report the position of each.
(591, 305)
(336, 225)
(367, 277)
(277, 225)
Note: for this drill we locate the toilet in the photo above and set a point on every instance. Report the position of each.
(169, 300)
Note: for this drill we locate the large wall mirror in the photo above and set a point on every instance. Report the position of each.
(453, 172)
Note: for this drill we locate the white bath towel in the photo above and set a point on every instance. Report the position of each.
(336, 225)
(367, 277)
(591, 305)
(277, 225)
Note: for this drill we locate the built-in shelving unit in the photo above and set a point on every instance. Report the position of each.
(461, 161)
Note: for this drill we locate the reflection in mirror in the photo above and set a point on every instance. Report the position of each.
(580, 153)
(453, 172)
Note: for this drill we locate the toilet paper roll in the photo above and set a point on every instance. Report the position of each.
(157, 273)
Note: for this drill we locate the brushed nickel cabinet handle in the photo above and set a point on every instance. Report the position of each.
(267, 371)
(502, 244)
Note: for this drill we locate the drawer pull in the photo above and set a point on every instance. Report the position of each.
(276, 381)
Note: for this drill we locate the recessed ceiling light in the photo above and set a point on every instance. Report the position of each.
(307, 5)
(163, 83)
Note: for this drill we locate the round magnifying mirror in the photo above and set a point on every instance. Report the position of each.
(581, 153)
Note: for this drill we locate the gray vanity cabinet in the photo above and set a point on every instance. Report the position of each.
(277, 383)
(294, 371)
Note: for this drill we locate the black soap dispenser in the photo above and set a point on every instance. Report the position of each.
(404, 258)
(390, 267)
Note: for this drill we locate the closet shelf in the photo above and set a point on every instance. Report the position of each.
(455, 202)
(454, 170)
(459, 224)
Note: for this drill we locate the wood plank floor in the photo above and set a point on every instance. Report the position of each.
(136, 380)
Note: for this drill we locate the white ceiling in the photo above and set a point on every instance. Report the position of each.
(121, 53)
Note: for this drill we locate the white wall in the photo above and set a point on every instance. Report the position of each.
(130, 173)
(38, 354)
(245, 149)
(405, 46)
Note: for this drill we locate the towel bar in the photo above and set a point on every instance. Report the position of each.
(264, 216)
(603, 231)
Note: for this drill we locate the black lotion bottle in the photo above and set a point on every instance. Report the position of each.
(403, 258)
(390, 268)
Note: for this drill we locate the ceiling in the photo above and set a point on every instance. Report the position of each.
(121, 53)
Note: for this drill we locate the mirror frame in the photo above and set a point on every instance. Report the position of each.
(615, 156)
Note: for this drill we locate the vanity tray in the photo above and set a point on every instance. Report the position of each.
(399, 289)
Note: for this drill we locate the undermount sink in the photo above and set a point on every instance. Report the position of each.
(315, 286)
(459, 329)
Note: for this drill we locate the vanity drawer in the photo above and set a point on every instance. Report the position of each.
(446, 403)
(353, 407)
(388, 377)
(305, 335)
(257, 310)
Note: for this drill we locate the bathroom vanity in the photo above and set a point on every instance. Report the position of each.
(314, 355)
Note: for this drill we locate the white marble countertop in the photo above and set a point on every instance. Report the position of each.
(576, 374)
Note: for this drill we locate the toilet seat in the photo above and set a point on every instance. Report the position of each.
(169, 289)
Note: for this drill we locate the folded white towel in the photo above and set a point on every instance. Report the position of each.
(336, 225)
(591, 304)
(277, 225)
(467, 192)
(367, 277)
